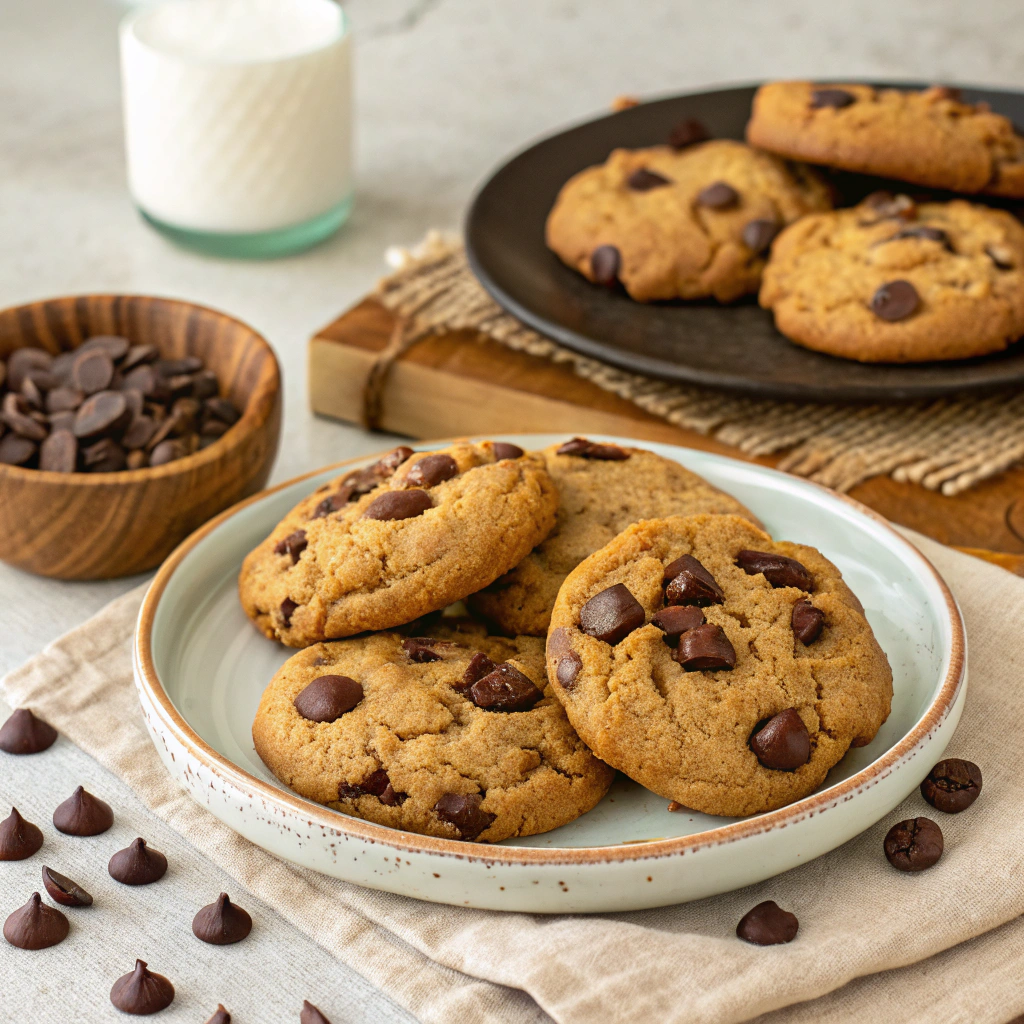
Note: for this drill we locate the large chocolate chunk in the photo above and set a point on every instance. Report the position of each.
(612, 614)
(783, 742)
(464, 812)
(705, 649)
(504, 689)
(392, 505)
(327, 698)
(431, 470)
(688, 582)
(778, 570)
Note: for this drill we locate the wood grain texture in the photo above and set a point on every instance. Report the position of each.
(81, 526)
(445, 386)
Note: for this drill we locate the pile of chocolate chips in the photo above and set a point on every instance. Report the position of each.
(106, 406)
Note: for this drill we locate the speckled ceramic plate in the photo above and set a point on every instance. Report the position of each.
(200, 668)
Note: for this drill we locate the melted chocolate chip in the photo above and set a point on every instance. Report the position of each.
(504, 450)
(718, 196)
(835, 98)
(592, 450)
(504, 689)
(926, 232)
(333, 503)
(605, 263)
(759, 234)
(612, 614)
(327, 698)
(783, 742)
(705, 649)
(643, 180)
(952, 785)
(479, 666)
(688, 582)
(678, 619)
(311, 1015)
(19, 839)
(63, 890)
(221, 923)
(220, 1016)
(35, 925)
(895, 301)
(378, 784)
(420, 649)
(778, 570)
(293, 545)
(288, 607)
(767, 924)
(688, 133)
(393, 505)
(142, 992)
(914, 844)
(807, 622)
(431, 470)
(137, 864)
(567, 669)
(464, 812)
(83, 814)
(24, 733)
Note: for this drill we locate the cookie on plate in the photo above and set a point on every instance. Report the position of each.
(715, 666)
(891, 281)
(602, 489)
(386, 544)
(680, 224)
(457, 735)
(928, 137)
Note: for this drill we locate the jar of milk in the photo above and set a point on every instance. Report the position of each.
(238, 122)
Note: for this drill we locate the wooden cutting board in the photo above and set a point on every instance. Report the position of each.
(462, 383)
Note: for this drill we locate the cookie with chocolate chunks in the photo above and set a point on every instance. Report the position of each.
(405, 536)
(681, 661)
(469, 744)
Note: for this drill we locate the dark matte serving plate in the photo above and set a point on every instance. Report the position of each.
(733, 347)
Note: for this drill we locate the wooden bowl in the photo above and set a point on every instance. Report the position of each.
(90, 526)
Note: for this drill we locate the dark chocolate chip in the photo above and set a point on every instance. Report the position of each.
(605, 263)
(705, 649)
(567, 669)
(431, 470)
(612, 614)
(1001, 257)
(137, 864)
(142, 992)
(479, 666)
(464, 812)
(35, 925)
(420, 649)
(83, 814)
(688, 133)
(113, 344)
(327, 698)
(64, 400)
(333, 503)
(311, 1014)
(778, 570)
(377, 784)
(93, 371)
(140, 432)
(144, 379)
(220, 1016)
(895, 301)
(759, 234)
(222, 409)
(643, 180)
(914, 844)
(718, 196)
(392, 505)
(287, 609)
(221, 923)
(19, 839)
(767, 925)
(837, 98)
(31, 393)
(952, 785)
(807, 622)
(177, 367)
(783, 742)
(104, 456)
(167, 451)
(23, 361)
(59, 452)
(675, 620)
(293, 545)
(102, 413)
(926, 232)
(16, 414)
(24, 733)
(504, 450)
(16, 450)
(63, 890)
(204, 385)
(585, 449)
(688, 582)
(504, 689)
(138, 354)
(387, 464)
(886, 206)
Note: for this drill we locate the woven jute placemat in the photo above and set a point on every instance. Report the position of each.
(947, 445)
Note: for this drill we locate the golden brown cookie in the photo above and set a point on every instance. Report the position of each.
(889, 281)
(680, 224)
(386, 544)
(602, 488)
(715, 666)
(928, 137)
(456, 735)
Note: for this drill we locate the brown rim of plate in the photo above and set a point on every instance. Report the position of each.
(412, 842)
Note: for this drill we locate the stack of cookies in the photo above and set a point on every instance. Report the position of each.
(612, 611)
(892, 279)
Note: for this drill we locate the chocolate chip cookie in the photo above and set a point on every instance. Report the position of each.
(892, 281)
(602, 488)
(715, 666)
(456, 735)
(408, 535)
(928, 137)
(680, 224)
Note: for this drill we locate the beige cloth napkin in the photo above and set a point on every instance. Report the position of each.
(858, 917)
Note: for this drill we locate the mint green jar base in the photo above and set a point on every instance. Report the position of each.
(262, 245)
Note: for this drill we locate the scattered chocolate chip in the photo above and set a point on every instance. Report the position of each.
(585, 449)
(35, 925)
(479, 666)
(220, 1016)
(392, 505)
(1001, 256)
(783, 742)
(101, 413)
(327, 698)
(643, 180)
(567, 669)
(16, 450)
(377, 784)
(19, 839)
(767, 925)
(420, 649)
(612, 614)
(836, 98)
(605, 263)
(63, 890)
(952, 785)
(142, 992)
(504, 450)
(718, 196)
(914, 844)
(59, 452)
(504, 689)
(895, 301)
(688, 133)
(926, 232)
(93, 371)
(221, 923)
(293, 545)
(287, 609)
(887, 206)
(24, 733)
(137, 864)
(778, 570)
(311, 1015)
(675, 620)
(464, 812)
(807, 622)
(705, 649)
(431, 470)
(759, 234)
(83, 814)
(688, 582)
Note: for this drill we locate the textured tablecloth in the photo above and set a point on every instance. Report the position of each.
(870, 937)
